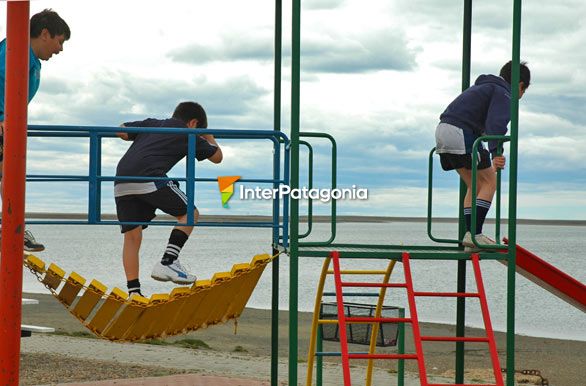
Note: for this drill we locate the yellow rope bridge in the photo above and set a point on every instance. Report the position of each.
(117, 317)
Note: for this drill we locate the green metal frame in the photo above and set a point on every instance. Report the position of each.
(321, 249)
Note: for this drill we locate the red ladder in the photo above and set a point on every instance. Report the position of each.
(343, 320)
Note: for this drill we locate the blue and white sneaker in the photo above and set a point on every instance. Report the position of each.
(174, 272)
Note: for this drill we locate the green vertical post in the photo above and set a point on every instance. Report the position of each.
(294, 217)
(401, 348)
(461, 302)
(512, 228)
(275, 268)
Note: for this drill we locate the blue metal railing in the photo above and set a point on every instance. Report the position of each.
(94, 178)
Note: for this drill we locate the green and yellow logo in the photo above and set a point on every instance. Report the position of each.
(226, 185)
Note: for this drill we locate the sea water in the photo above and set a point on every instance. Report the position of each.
(95, 252)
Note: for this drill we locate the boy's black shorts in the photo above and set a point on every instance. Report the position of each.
(142, 207)
(458, 161)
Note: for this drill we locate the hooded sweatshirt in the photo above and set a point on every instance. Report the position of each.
(483, 108)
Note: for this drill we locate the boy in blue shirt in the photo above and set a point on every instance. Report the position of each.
(48, 33)
(483, 109)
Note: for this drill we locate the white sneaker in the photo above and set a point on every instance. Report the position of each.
(173, 272)
(481, 239)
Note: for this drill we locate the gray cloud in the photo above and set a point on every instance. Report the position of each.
(322, 4)
(116, 96)
(375, 51)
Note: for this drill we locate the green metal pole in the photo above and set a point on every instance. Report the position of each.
(461, 302)
(512, 228)
(294, 218)
(277, 126)
(319, 361)
(401, 347)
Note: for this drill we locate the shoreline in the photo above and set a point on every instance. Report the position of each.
(245, 354)
(303, 219)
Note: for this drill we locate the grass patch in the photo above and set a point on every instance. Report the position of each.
(184, 343)
(76, 334)
(240, 349)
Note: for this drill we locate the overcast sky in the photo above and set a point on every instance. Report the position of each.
(375, 75)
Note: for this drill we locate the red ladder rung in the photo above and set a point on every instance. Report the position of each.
(454, 339)
(448, 294)
(371, 285)
(382, 356)
(356, 319)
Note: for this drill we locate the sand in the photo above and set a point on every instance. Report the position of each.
(61, 357)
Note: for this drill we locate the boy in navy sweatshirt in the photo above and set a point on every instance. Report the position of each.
(153, 155)
(483, 109)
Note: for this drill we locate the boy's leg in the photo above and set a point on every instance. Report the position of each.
(177, 240)
(486, 188)
(130, 250)
(171, 200)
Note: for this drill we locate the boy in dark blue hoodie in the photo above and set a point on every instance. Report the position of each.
(483, 109)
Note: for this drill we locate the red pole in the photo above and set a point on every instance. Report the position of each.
(13, 188)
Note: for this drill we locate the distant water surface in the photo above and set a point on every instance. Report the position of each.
(95, 252)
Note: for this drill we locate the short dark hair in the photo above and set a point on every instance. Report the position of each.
(186, 111)
(524, 73)
(50, 20)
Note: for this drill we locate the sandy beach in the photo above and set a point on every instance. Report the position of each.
(71, 355)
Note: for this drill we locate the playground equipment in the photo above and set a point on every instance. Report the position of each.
(123, 319)
(286, 234)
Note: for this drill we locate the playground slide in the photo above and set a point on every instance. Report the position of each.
(552, 279)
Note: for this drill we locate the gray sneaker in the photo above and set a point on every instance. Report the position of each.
(480, 239)
(30, 244)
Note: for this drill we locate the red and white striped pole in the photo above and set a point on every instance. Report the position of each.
(13, 187)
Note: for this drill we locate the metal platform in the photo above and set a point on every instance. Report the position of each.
(367, 251)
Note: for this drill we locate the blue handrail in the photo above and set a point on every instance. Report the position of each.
(94, 178)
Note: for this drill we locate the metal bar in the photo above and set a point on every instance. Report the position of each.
(333, 186)
(401, 350)
(13, 188)
(415, 323)
(373, 285)
(512, 225)
(294, 226)
(93, 181)
(276, 202)
(430, 203)
(461, 284)
(496, 367)
(310, 186)
(190, 174)
(448, 294)
(342, 320)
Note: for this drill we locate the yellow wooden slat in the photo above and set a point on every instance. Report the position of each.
(230, 293)
(89, 299)
(190, 307)
(72, 286)
(201, 317)
(227, 286)
(250, 279)
(107, 311)
(35, 263)
(147, 318)
(124, 320)
(167, 310)
(53, 277)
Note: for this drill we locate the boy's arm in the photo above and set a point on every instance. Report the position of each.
(217, 156)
